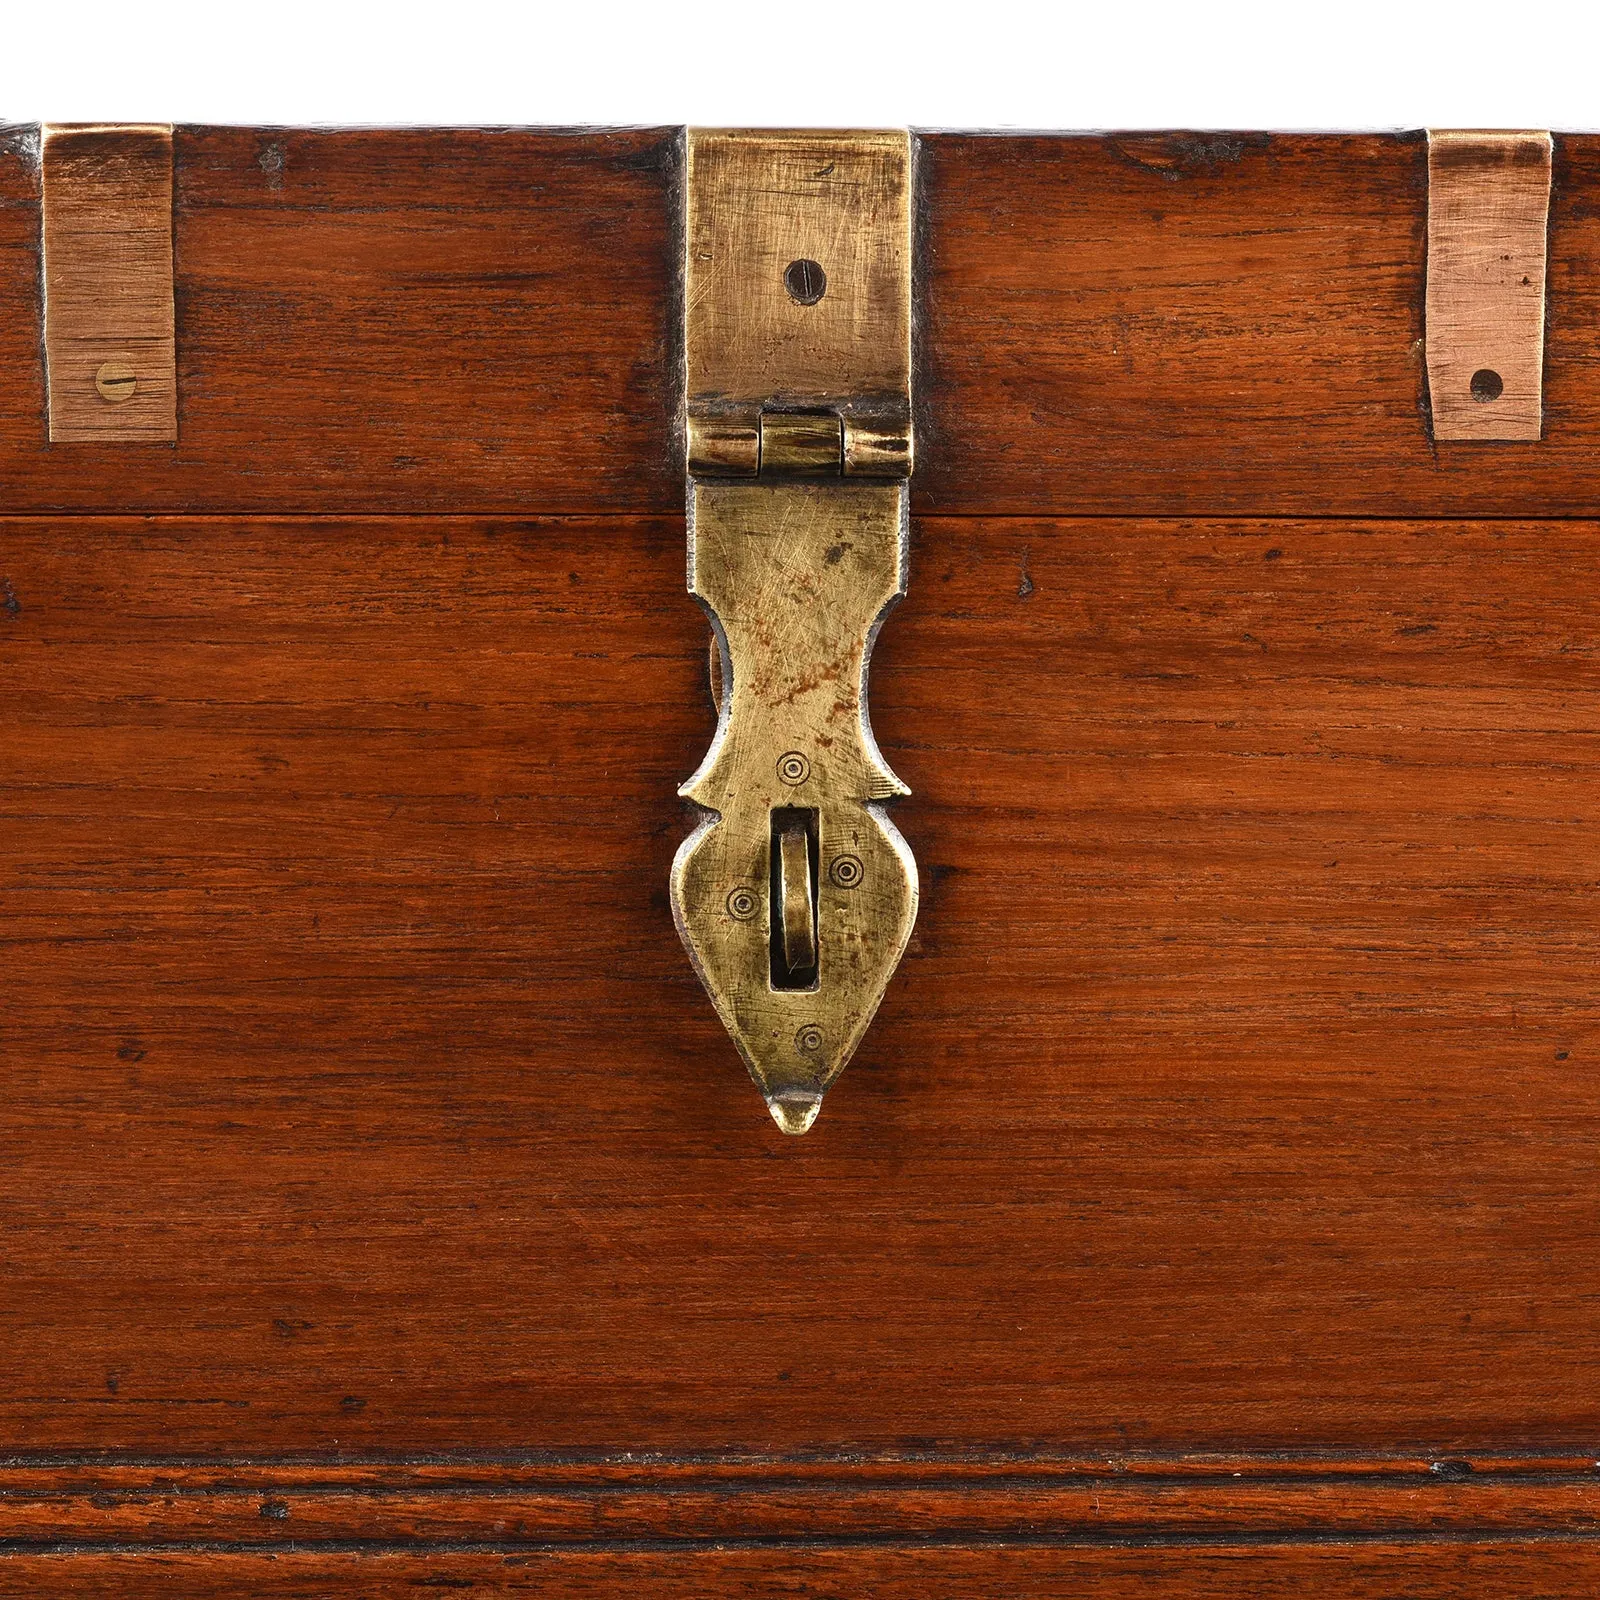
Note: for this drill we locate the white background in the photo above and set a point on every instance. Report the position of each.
(820, 62)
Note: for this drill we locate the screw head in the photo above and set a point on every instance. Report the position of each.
(806, 281)
(808, 1041)
(793, 769)
(847, 871)
(742, 903)
(116, 382)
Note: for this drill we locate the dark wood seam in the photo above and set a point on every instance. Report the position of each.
(867, 1541)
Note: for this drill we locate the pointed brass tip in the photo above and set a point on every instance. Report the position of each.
(794, 1110)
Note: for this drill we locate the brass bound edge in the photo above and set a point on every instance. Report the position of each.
(106, 242)
(796, 895)
(1488, 214)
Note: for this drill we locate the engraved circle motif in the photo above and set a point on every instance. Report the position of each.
(808, 1041)
(793, 769)
(847, 871)
(742, 903)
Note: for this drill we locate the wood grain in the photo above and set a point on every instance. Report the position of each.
(1191, 323)
(1209, 1211)
(106, 246)
(1491, 1570)
(466, 321)
(1234, 1094)
(382, 320)
(575, 1504)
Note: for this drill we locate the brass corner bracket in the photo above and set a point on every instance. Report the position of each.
(796, 895)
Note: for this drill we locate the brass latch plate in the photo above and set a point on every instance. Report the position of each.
(796, 895)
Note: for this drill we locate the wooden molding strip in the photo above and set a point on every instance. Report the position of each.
(1488, 211)
(109, 343)
(266, 1507)
(906, 1570)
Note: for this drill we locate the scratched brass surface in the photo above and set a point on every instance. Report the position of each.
(757, 204)
(796, 895)
(797, 576)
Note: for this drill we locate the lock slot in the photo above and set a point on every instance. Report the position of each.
(794, 955)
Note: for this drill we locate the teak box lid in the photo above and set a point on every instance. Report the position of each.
(485, 321)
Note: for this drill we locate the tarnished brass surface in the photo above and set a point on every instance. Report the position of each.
(759, 204)
(798, 576)
(797, 904)
(725, 446)
(807, 443)
(876, 447)
(796, 894)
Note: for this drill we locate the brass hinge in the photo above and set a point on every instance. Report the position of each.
(796, 895)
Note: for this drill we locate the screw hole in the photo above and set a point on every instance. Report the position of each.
(1487, 385)
(806, 282)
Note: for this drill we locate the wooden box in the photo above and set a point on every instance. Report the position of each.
(1211, 1209)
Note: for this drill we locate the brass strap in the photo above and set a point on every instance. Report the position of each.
(796, 895)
